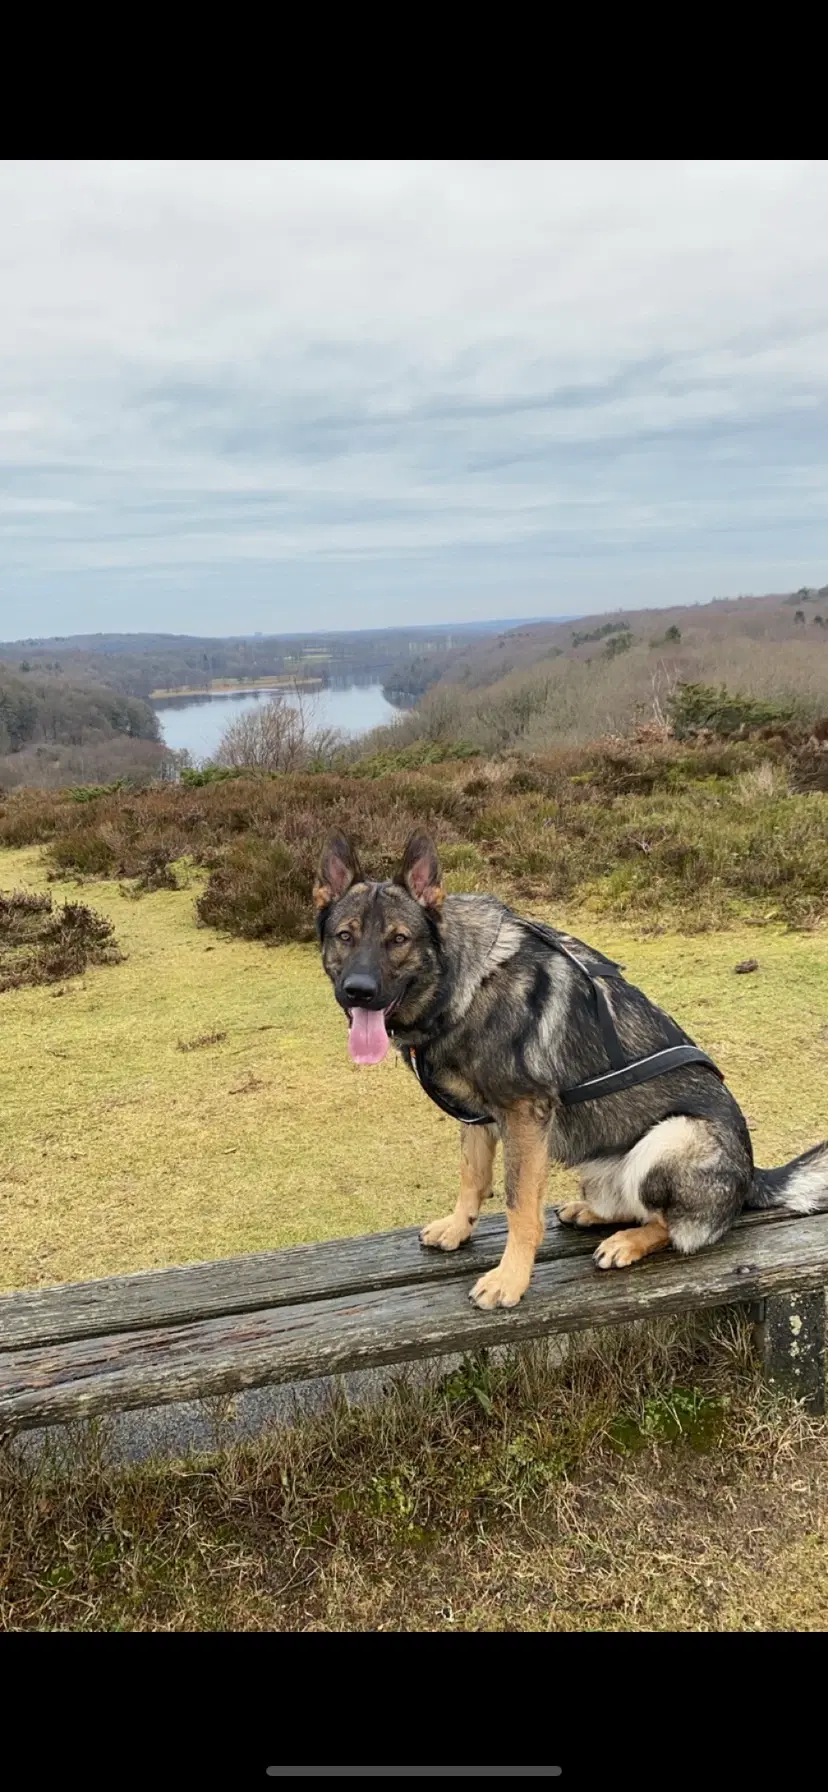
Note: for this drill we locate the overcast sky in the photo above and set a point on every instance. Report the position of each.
(240, 396)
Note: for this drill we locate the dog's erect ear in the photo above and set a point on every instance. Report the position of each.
(419, 872)
(338, 870)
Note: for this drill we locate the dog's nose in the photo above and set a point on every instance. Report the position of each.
(360, 990)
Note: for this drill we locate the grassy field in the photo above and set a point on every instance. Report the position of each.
(648, 1483)
(196, 1100)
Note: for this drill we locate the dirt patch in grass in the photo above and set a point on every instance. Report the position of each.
(41, 943)
(648, 1483)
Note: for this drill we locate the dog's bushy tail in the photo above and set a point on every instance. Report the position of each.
(800, 1186)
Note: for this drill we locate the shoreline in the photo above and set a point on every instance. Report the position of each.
(238, 690)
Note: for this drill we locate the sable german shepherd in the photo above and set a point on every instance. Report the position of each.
(499, 1024)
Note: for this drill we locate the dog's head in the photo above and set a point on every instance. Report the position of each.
(380, 941)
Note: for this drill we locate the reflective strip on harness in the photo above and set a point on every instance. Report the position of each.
(641, 1071)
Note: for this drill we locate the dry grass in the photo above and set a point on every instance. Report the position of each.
(122, 1151)
(648, 1483)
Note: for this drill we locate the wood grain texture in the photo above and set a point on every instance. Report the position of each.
(52, 1384)
(791, 1340)
(307, 1272)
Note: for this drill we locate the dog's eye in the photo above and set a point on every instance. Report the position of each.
(344, 936)
(400, 939)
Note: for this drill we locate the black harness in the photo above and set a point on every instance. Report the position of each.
(621, 1075)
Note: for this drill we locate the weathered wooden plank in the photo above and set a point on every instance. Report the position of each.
(791, 1338)
(269, 1278)
(391, 1325)
(244, 1284)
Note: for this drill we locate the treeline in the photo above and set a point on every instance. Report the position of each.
(410, 677)
(55, 710)
(53, 731)
(410, 662)
(138, 665)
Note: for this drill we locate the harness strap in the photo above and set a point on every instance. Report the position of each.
(607, 967)
(454, 1110)
(642, 1070)
(622, 1075)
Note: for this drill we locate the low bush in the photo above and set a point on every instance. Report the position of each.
(260, 890)
(693, 830)
(43, 944)
(699, 708)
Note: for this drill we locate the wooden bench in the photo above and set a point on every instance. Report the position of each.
(285, 1316)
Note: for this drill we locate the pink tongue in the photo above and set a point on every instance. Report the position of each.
(368, 1038)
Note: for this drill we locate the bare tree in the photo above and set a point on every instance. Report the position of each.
(278, 736)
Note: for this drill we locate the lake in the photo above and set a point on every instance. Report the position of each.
(198, 723)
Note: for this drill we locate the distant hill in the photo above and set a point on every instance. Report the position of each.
(500, 684)
(153, 643)
(532, 686)
(138, 664)
(778, 617)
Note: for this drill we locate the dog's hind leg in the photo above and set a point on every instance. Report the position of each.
(477, 1154)
(604, 1196)
(685, 1180)
(525, 1149)
(579, 1213)
(629, 1246)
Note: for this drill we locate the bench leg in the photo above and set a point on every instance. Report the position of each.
(790, 1336)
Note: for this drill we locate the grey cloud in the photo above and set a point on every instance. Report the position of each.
(250, 391)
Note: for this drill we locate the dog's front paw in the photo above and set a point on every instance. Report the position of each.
(447, 1234)
(500, 1287)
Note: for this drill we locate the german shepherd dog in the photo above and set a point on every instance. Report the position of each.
(505, 1024)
